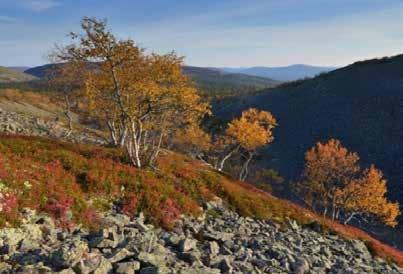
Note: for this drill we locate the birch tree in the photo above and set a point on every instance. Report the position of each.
(141, 98)
(334, 184)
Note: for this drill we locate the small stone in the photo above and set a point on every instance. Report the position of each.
(104, 267)
(27, 245)
(301, 266)
(154, 270)
(67, 271)
(214, 248)
(69, 254)
(225, 266)
(186, 245)
(293, 224)
(151, 259)
(127, 267)
(121, 255)
(4, 267)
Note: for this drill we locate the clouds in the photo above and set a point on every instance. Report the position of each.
(39, 5)
(215, 33)
(333, 40)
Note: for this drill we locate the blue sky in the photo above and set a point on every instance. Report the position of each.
(214, 32)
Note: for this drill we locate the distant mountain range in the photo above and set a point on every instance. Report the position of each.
(216, 82)
(288, 73)
(212, 82)
(8, 75)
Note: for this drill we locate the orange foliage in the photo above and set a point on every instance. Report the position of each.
(65, 186)
(252, 130)
(334, 184)
(193, 140)
(141, 98)
(368, 195)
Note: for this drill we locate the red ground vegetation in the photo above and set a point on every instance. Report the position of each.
(73, 183)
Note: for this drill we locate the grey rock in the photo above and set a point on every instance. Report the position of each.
(214, 248)
(67, 271)
(121, 255)
(104, 267)
(361, 248)
(151, 259)
(186, 245)
(226, 266)
(301, 266)
(69, 254)
(88, 264)
(27, 245)
(127, 267)
(226, 243)
(154, 270)
(5, 267)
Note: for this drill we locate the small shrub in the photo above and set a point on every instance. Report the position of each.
(43, 175)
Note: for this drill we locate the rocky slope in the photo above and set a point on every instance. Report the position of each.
(18, 123)
(219, 242)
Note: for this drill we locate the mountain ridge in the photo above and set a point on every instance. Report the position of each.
(282, 73)
(211, 81)
(10, 75)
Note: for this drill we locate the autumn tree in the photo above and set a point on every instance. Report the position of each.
(246, 135)
(366, 197)
(141, 98)
(194, 141)
(66, 80)
(333, 183)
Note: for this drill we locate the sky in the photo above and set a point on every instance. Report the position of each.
(213, 33)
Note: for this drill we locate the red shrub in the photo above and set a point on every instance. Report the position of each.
(130, 205)
(59, 210)
(170, 212)
(59, 178)
(8, 203)
(91, 218)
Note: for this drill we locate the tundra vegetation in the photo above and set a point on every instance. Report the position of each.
(146, 102)
(149, 109)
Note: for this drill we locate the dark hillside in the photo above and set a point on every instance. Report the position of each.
(362, 105)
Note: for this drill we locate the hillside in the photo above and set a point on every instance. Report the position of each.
(20, 69)
(82, 183)
(92, 186)
(216, 82)
(210, 81)
(10, 75)
(287, 73)
(361, 105)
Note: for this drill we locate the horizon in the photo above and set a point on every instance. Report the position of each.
(239, 34)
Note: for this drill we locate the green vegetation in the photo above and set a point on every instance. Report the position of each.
(217, 85)
(74, 183)
(92, 174)
(9, 75)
